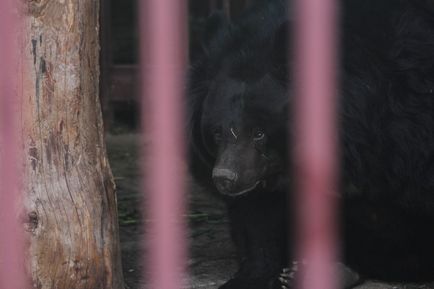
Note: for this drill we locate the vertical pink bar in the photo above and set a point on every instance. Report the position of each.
(315, 154)
(12, 268)
(163, 57)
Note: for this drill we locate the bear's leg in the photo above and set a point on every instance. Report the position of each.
(259, 230)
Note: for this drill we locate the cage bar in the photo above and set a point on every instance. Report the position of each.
(316, 146)
(163, 59)
(12, 268)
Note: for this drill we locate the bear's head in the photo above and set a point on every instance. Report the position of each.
(238, 110)
(243, 129)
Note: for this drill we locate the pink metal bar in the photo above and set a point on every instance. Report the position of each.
(12, 267)
(315, 153)
(163, 57)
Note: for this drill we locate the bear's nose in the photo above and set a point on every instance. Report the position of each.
(224, 179)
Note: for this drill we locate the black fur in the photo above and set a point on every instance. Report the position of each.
(386, 118)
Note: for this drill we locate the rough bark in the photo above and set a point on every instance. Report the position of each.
(71, 205)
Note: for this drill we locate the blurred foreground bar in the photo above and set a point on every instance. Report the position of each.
(315, 157)
(12, 267)
(163, 59)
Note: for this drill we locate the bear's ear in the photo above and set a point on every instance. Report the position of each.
(215, 27)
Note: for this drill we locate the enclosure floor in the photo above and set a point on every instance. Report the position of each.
(212, 256)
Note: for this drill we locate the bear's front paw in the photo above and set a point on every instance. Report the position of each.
(287, 277)
(346, 277)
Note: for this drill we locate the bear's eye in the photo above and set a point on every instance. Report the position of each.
(217, 135)
(259, 135)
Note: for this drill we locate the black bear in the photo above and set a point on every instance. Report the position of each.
(239, 99)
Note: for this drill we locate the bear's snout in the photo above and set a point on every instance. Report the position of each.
(224, 179)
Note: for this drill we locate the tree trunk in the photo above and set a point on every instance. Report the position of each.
(71, 203)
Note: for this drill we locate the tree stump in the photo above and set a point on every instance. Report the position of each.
(70, 193)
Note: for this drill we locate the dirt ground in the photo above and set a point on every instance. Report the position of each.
(212, 256)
